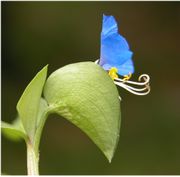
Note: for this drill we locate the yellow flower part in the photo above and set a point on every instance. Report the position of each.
(127, 77)
(113, 73)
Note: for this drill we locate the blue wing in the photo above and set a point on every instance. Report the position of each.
(114, 47)
(126, 68)
(109, 26)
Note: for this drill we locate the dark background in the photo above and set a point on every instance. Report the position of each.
(59, 33)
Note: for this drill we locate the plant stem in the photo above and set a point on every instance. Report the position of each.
(32, 160)
(33, 148)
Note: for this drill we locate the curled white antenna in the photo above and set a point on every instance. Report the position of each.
(145, 77)
(135, 90)
(143, 81)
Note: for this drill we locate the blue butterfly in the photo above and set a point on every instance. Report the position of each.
(115, 52)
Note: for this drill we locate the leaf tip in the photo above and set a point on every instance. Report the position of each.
(109, 156)
(28, 103)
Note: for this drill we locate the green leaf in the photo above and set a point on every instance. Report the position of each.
(85, 95)
(14, 131)
(28, 105)
(42, 109)
(41, 118)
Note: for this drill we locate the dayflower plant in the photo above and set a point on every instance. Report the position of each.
(76, 92)
(116, 58)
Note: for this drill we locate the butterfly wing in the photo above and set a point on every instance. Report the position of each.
(114, 47)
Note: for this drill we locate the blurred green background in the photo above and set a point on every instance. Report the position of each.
(60, 33)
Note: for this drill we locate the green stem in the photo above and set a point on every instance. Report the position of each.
(33, 148)
(32, 160)
(37, 137)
